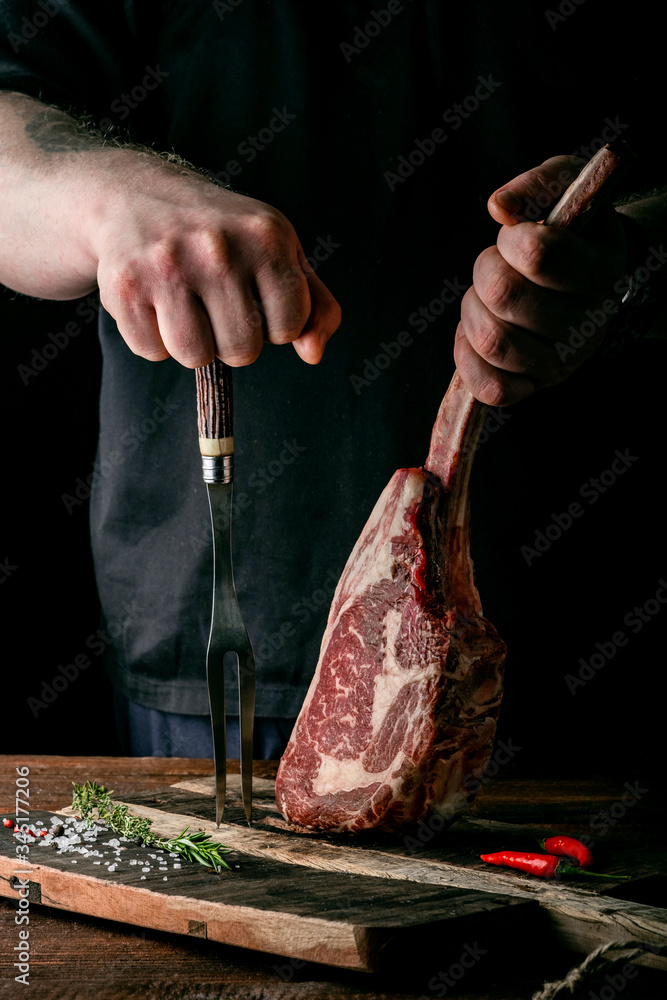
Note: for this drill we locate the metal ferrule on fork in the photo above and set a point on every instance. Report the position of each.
(217, 468)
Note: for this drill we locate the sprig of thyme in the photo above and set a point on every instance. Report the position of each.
(92, 801)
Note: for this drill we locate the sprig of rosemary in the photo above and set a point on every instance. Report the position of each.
(92, 801)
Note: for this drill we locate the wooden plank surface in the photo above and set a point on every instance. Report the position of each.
(346, 920)
(580, 910)
(79, 957)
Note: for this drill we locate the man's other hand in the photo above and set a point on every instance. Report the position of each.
(535, 287)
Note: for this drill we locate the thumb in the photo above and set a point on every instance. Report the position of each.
(530, 196)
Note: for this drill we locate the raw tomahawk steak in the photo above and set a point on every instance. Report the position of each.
(400, 717)
(401, 714)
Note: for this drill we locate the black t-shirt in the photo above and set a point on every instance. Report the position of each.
(380, 132)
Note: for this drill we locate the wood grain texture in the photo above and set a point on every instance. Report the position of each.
(340, 919)
(78, 957)
(580, 910)
(81, 958)
(51, 776)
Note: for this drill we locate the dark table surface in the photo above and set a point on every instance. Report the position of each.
(76, 957)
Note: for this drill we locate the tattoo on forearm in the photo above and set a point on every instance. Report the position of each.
(56, 132)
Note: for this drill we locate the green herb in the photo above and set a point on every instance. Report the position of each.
(92, 801)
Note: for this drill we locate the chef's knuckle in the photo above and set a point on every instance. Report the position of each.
(165, 266)
(502, 291)
(493, 391)
(289, 277)
(122, 287)
(215, 253)
(293, 317)
(282, 275)
(469, 306)
(485, 262)
(268, 230)
(535, 252)
(490, 341)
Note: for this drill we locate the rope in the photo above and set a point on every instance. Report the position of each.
(594, 963)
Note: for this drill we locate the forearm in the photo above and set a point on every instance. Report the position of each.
(59, 179)
(52, 189)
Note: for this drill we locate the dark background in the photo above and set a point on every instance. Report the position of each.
(551, 613)
(49, 600)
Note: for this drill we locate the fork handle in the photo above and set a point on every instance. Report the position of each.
(214, 421)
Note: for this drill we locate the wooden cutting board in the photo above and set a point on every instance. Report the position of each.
(346, 920)
(354, 902)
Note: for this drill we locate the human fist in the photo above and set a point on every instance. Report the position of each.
(190, 270)
(535, 288)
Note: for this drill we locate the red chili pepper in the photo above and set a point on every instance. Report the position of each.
(544, 865)
(43, 833)
(569, 847)
(8, 822)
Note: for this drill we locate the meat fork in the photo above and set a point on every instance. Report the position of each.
(228, 632)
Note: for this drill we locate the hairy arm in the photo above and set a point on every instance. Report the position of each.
(187, 269)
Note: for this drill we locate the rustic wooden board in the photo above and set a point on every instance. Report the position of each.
(582, 912)
(347, 920)
(313, 905)
(80, 956)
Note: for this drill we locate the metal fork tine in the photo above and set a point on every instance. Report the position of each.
(246, 717)
(216, 695)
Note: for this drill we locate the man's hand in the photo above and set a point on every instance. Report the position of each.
(186, 268)
(191, 270)
(533, 288)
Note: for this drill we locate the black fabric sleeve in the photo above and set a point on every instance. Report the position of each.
(76, 55)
